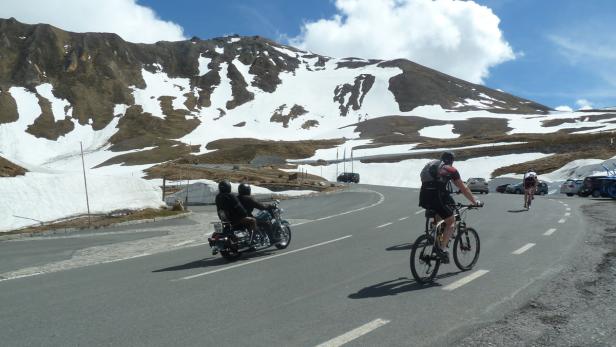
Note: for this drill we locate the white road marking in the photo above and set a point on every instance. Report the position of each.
(261, 259)
(420, 211)
(568, 208)
(567, 214)
(381, 199)
(523, 249)
(566, 205)
(403, 218)
(355, 333)
(562, 220)
(464, 280)
(549, 232)
(183, 243)
(384, 225)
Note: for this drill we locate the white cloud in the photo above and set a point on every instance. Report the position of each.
(460, 38)
(133, 22)
(584, 104)
(564, 108)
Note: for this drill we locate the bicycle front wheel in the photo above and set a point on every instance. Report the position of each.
(466, 248)
(424, 262)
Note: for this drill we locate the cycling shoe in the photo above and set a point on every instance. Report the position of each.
(442, 254)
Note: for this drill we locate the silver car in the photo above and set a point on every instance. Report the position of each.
(477, 184)
(571, 187)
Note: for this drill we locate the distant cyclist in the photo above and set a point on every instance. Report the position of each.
(434, 195)
(530, 186)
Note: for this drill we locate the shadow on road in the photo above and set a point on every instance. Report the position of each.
(401, 247)
(215, 261)
(517, 211)
(397, 286)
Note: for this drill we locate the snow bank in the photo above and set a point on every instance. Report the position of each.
(406, 172)
(578, 169)
(48, 197)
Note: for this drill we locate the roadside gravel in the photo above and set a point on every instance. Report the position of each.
(576, 308)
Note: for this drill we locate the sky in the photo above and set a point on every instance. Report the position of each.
(560, 53)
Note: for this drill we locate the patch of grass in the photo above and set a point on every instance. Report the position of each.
(243, 151)
(99, 221)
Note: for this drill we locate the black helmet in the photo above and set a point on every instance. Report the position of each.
(447, 157)
(224, 186)
(244, 189)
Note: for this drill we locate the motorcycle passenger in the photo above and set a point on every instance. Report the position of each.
(249, 203)
(434, 195)
(230, 209)
(530, 185)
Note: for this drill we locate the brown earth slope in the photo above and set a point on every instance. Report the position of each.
(8, 169)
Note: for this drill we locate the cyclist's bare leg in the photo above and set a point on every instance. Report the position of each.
(449, 226)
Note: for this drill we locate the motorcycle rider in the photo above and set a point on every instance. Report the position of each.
(230, 209)
(435, 195)
(249, 203)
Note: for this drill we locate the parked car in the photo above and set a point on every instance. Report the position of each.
(571, 187)
(591, 186)
(348, 177)
(517, 188)
(502, 188)
(477, 185)
(542, 188)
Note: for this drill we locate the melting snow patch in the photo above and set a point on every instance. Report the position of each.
(219, 50)
(439, 131)
(203, 63)
(159, 84)
(57, 105)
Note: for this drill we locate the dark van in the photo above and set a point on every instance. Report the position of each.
(348, 177)
(591, 186)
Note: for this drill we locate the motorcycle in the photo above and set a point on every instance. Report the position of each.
(232, 241)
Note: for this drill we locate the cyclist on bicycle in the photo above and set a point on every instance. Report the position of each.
(435, 194)
(530, 185)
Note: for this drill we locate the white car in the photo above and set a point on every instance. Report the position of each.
(571, 187)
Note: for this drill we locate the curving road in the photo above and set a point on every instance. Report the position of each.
(344, 279)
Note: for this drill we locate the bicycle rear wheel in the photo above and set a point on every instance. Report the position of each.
(424, 262)
(466, 248)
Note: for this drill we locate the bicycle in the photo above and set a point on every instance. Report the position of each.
(425, 262)
(529, 194)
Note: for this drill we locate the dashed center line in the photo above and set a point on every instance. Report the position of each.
(523, 249)
(568, 208)
(462, 281)
(420, 211)
(403, 218)
(567, 214)
(549, 232)
(355, 333)
(384, 225)
(562, 220)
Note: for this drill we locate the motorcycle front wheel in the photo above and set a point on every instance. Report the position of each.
(285, 236)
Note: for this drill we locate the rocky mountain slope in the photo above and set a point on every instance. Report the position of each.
(233, 100)
(156, 94)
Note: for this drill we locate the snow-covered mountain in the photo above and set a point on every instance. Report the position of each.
(132, 106)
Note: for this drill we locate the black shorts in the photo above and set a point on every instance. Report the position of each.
(437, 201)
(529, 184)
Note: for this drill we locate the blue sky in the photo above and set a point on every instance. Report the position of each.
(543, 70)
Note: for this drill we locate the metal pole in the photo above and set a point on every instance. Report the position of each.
(85, 182)
(164, 186)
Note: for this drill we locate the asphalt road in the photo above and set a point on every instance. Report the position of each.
(344, 278)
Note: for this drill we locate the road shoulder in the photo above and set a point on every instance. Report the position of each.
(578, 306)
